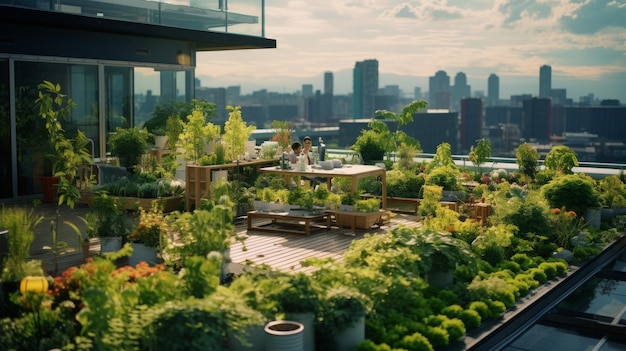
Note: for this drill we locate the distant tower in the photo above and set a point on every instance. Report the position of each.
(307, 90)
(536, 116)
(439, 91)
(493, 90)
(471, 121)
(365, 88)
(328, 83)
(327, 98)
(417, 93)
(459, 91)
(545, 81)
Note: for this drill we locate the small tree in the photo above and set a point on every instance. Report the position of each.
(527, 158)
(480, 153)
(443, 157)
(236, 133)
(561, 159)
(392, 140)
(197, 132)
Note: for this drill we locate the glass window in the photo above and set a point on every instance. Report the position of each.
(6, 169)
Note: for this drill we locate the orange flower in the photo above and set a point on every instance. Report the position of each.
(556, 211)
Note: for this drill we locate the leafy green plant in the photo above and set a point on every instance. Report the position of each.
(151, 227)
(561, 159)
(20, 224)
(480, 153)
(236, 133)
(105, 217)
(367, 205)
(574, 192)
(129, 145)
(526, 157)
(612, 191)
(196, 134)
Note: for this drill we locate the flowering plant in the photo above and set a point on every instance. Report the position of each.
(150, 228)
(566, 225)
(282, 134)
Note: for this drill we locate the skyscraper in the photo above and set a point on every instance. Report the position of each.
(439, 91)
(327, 97)
(307, 90)
(471, 121)
(493, 90)
(459, 91)
(365, 88)
(545, 81)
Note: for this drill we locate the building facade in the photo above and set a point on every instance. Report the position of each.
(115, 60)
(365, 88)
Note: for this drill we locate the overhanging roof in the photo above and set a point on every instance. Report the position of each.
(203, 40)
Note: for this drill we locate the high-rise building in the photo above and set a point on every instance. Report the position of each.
(327, 97)
(493, 90)
(417, 93)
(328, 83)
(307, 90)
(365, 88)
(545, 81)
(459, 91)
(439, 91)
(471, 122)
(536, 118)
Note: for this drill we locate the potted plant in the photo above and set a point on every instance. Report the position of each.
(148, 236)
(129, 145)
(106, 220)
(342, 316)
(348, 200)
(65, 155)
(236, 134)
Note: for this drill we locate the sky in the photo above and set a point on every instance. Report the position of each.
(584, 41)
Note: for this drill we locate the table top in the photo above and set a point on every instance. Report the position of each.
(345, 171)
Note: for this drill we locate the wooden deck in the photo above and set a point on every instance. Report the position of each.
(280, 251)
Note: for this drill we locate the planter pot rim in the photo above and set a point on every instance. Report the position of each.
(284, 327)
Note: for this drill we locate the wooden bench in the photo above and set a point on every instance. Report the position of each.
(285, 222)
(412, 202)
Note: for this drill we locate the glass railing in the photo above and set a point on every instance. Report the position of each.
(234, 16)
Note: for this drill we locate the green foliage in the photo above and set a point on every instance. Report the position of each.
(612, 191)
(491, 288)
(174, 126)
(443, 157)
(129, 145)
(527, 159)
(196, 134)
(236, 133)
(480, 153)
(561, 159)
(574, 192)
(367, 205)
(371, 146)
(20, 224)
(445, 176)
(403, 183)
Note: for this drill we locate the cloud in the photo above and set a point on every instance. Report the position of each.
(595, 15)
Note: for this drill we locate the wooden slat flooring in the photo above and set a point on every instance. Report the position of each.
(281, 251)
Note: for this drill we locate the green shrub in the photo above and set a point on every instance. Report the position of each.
(538, 275)
(549, 269)
(481, 308)
(416, 342)
(436, 336)
(470, 318)
(523, 261)
(574, 192)
(510, 266)
(496, 308)
(528, 279)
(492, 287)
(455, 328)
(452, 311)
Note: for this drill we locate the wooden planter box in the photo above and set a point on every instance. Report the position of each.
(170, 203)
(359, 220)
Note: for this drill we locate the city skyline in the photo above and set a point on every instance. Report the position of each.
(583, 42)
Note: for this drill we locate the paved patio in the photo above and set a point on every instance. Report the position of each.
(280, 251)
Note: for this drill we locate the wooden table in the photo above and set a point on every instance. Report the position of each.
(355, 172)
(284, 222)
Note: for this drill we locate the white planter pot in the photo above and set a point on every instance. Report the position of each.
(284, 336)
(143, 253)
(349, 338)
(160, 141)
(110, 244)
(308, 321)
(346, 208)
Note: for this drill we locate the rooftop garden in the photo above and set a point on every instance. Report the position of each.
(418, 288)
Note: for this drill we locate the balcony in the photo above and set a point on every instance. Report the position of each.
(236, 17)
